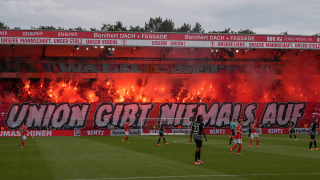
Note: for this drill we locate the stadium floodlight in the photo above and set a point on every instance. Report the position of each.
(87, 48)
(146, 126)
(77, 47)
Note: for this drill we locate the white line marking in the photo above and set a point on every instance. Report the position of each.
(194, 176)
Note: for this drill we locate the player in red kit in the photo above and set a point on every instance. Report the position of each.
(237, 138)
(126, 131)
(24, 134)
(254, 133)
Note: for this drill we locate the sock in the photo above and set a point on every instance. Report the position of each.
(239, 149)
(257, 142)
(233, 147)
(22, 143)
(295, 136)
(230, 140)
(315, 144)
(159, 140)
(310, 145)
(248, 134)
(127, 138)
(195, 157)
(199, 155)
(164, 140)
(251, 142)
(290, 136)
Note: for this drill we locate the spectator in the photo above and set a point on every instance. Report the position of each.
(112, 126)
(44, 127)
(50, 127)
(39, 127)
(1, 128)
(154, 127)
(179, 126)
(268, 125)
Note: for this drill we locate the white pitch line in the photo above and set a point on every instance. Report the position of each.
(194, 176)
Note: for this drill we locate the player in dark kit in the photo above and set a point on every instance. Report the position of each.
(197, 131)
(291, 130)
(249, 128)
(312, 132)
(161, 134)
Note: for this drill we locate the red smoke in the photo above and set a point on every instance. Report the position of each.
(280, 82)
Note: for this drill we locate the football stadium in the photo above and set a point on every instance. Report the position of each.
(122, 105)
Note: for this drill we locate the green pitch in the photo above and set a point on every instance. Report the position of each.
(109, 158)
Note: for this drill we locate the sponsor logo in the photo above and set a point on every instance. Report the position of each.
(77, 132)
(275, 131)
(67, 34)
(246, 131)
(153, 131)
(217, 131)
(154, 69)
(3, 32)
(301, 130)
(33, 133)
(121, 132)
(184, 131)
(95, 132)
(274, 38)
(33, 33)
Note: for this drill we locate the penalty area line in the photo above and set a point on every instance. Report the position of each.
(195, 176)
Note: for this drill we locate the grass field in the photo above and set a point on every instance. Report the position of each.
(109, 158)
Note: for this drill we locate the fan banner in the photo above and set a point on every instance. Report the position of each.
(103, 115)
(156, 39)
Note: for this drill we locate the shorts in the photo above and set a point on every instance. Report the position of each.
(232, 131)
(254, 135)
(292, 131)
(24, 138)
(198, 143)
(238, 141)
(161, 134)
(126, 133)
(313, 136)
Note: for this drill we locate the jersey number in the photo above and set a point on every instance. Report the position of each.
(196, 129)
